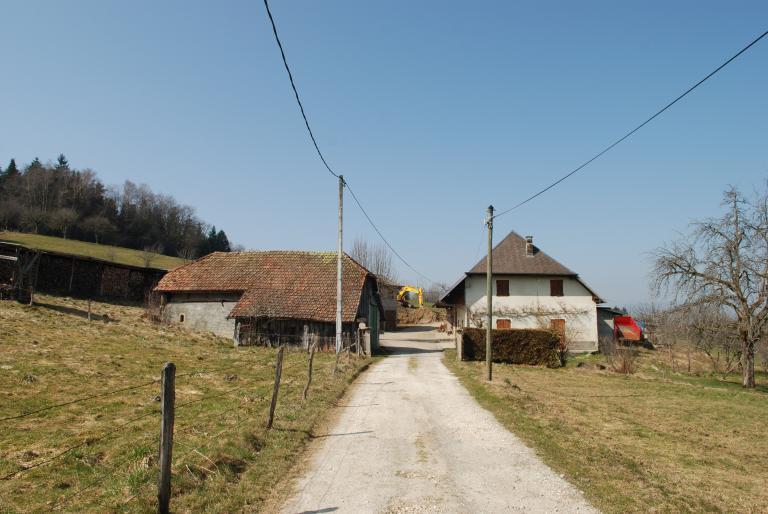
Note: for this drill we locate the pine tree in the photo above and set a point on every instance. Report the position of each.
(222, 242)
(36, 164)
(62, 163)
(11, 170)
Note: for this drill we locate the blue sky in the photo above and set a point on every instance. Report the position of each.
(432, 110)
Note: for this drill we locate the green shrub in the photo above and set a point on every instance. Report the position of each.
(513, 346)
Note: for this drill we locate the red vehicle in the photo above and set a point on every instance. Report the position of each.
(625, 328)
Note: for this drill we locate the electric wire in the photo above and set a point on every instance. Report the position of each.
(628, 134)
(320, 154)
(295, 91)
(407, 264)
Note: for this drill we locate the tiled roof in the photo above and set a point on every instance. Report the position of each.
(510, 258)
(279, 284)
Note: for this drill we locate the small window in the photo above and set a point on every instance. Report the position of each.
(502, 288)
(181, 318)
(556, 287)
(503, 323)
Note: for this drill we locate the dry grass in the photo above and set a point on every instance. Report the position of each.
(224, 459)
(655, 441)
(114, 254)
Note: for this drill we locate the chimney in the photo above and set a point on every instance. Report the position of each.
(529, 246)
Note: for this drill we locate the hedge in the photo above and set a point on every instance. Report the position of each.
(513, 346)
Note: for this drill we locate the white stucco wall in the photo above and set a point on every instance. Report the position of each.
(202, 312)
(529, 295)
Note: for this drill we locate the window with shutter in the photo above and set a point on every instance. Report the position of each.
(502, 288)
(503, 323)
(556, 287)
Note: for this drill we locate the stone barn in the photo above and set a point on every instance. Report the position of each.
(272, 297)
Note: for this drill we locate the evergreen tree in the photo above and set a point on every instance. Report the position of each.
(11, 170)
(36, 164)
(222, 242)
(62, 163)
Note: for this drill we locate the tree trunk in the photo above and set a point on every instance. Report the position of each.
(748, 364)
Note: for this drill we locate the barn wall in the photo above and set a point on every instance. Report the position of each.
(202, 312)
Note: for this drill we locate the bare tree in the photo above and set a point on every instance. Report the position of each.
(62, 220)
(375, 257)
(97, 225)
(724, 263)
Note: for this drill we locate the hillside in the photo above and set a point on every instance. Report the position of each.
(114, 254)
(98, 454)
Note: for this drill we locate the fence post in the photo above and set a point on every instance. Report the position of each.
(168, 400)
(309, 372)
(276, 388)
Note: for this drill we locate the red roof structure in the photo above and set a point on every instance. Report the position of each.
(275, 284)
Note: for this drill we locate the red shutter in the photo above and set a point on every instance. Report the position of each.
(503, 323)
(555, 288)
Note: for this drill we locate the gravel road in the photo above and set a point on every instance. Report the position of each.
(410, 439)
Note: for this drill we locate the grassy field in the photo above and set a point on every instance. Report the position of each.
(655, 441)
(224, 459)
(115, 254)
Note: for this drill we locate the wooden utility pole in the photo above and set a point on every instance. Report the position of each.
(489, 298)
(339, 259)
(168, 400)
(276, 387)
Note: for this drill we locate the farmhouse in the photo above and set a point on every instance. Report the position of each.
(530, 290)
(272, 297)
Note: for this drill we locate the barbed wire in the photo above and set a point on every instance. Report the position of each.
(87, 442)
(79, 400)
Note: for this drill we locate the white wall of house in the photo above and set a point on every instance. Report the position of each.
(529, 305)
(202, 312)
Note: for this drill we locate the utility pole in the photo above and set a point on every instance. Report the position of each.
(489, 297)
(339, 259)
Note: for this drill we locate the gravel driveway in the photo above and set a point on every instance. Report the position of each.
(410, 439)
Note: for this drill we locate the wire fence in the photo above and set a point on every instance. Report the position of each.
(136, 448)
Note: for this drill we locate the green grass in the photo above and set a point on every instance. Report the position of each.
(114, 254)
(651, 442)
(224, 460)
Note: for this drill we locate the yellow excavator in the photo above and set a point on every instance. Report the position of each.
(402, 295)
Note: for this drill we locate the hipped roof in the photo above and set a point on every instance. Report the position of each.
(275, 284)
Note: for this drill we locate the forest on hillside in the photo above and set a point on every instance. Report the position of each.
(56, 199)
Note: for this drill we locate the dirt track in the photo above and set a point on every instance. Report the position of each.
(411, 439)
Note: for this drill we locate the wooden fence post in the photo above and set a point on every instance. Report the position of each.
(168, 400)
(276, 388)
(309, 372)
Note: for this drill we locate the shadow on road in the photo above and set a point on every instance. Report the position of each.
(408, 350)
(414, 328)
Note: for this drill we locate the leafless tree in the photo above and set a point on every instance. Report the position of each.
(723, 263)
(375, 257)
(97, 225)
(62, 220)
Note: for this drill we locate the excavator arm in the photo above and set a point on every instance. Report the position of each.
(402, 294)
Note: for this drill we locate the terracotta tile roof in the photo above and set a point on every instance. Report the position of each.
(280, 284)
(509, 258)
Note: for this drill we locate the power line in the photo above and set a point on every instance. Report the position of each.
(295, 91)
(320, 154)
(354, 197)
(628, 134)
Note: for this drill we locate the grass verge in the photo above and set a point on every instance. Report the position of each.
(635, 443)
(224, 459)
